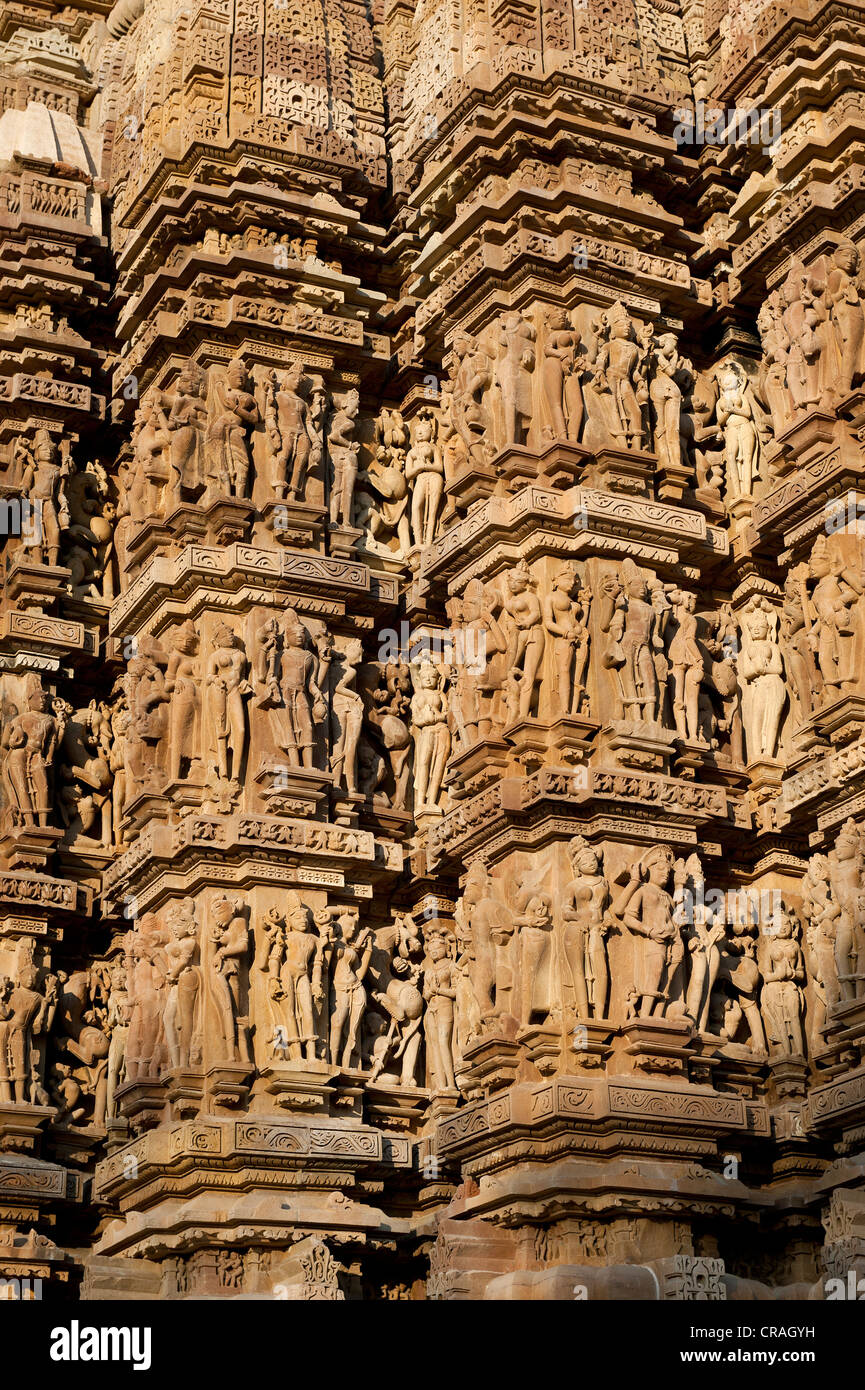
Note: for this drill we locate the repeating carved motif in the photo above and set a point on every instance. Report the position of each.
(432, 649)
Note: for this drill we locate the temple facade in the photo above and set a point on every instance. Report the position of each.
(432, 649)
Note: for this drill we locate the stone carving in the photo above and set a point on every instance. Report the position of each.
(352, 952)
(846, 865)
(645, 907)
(146, 985)
(386, 507)
(81, 1039)
(472, 370)
(228, 933)
(401, 1003)
(705, 940)
(183, 986)
(343, 451)
(292, 954)
(187, 423)
(566, 620)
(27, 1006)
(29, 743)
(424, 469)
(740, 972)
(346, 718)
(479, 683)
(490, 927)
(526, 640)
(832, 614)
(43, 483)
(533, 928)
(665, 394)
(844, 293)
(290, 432)
(226, 688)
(286, 675)
(149, 471)
(117, 1019)
(390, 717)
(441, 982)
(513, 374)
(761, 673)
(687, 666)
(89, 533)
(797, 646)
(719, 700)
(821, 913)
(782, 997)
(147, 701)
(560, 376)
(587, 922)
(634, 621)
(432, 737)
(616, 392)
(182, 685)
(84, 766)
(737, 413)
(235, 413)
(533, 921)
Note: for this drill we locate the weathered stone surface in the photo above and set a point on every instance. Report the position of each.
(432, 651)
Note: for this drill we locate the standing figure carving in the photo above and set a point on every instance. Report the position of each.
(833, 610)
(666, 396)
(797, 646)
(560, 377)
(290, 434)
(183, 984)
(225, 690)
(29, 742)
(473, 379)
(26, 1015)
(440, 986)
(761, 675)
(782, 999)
(43, 485)
(526, 644)
(118, 1015)
(489, 925)
(432, 736)
(187, 423)
(478, 691)
(514, 374)
(635, 626)
(821, 913)
(303, 703)
(228, 933)
(352, 954)
(343, 450)
(586, 900)
(182, 684)
(737, 415)
(424, 469)
(386, 507)
(146, 996)
(844, 292)
(616, 391)
(646, 909)
(228, 435)
(687, 662)
(533, 921)
(846, 862)
(566, 612)
(347, 718)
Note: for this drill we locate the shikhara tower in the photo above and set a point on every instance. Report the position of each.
(334, 971)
